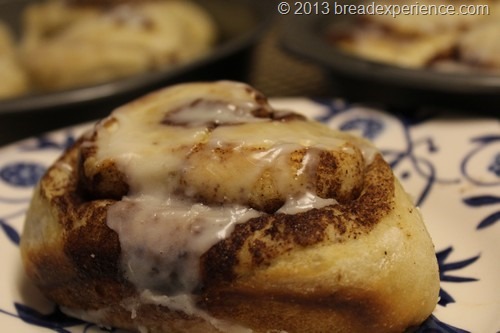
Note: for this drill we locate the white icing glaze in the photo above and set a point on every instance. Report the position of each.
(185, 303)
(163, 231)
(126, 14)
(220, 113)
(304, 203)
(163, 237)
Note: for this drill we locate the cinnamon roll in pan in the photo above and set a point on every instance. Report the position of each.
(68, 44)
(200, 208)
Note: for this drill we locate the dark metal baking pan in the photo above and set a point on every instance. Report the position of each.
(240, 24)
(361, 80)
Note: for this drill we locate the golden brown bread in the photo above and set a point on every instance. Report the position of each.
(128, 253)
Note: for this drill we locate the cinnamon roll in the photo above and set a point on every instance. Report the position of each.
(201, 208)
(69, 44)
(437, 35)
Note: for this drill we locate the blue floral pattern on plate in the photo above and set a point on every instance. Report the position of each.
(22, 173)
(457, 189)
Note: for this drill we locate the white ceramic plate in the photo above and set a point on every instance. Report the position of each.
(451, 166)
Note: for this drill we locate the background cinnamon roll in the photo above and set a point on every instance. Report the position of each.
(200, 208)
(446, 41)
(67, 44)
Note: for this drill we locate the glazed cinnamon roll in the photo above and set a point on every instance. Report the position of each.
(200, 208)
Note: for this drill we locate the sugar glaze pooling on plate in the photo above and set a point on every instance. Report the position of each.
(414, 165)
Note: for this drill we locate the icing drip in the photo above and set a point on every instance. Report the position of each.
(164, 237)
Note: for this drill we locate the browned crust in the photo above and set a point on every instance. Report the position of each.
(105, 181)
(82, 268)
(346, 310)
